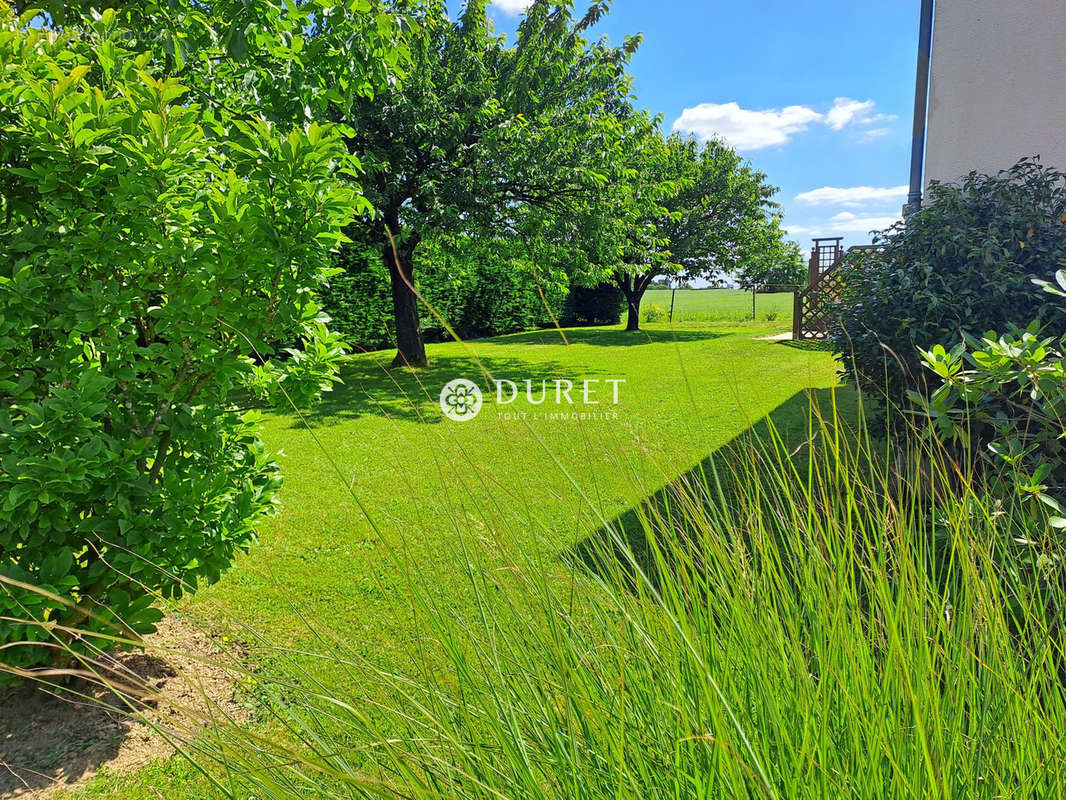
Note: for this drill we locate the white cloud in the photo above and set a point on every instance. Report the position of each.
(852, 197)
(747, 129)
(743, 128)
(512, 6)
(875, 133)
(846, 222)
(846, 111)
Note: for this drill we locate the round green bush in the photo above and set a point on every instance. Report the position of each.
(964, 263)
(152, 258)
(654, 313)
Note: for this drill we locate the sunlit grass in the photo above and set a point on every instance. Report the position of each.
(723, 305)
(808, 613)
(433, 488)
(805, 612)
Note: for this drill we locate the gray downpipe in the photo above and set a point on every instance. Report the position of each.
(921, 102)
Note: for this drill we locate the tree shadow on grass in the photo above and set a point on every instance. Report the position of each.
(413, 395)
(687, 503)
(610, 337)
(371, 388)
(807, 344)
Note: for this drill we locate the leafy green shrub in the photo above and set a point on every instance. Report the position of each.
(654, 313)
(771, 316)
(1004, 399)
(596, 305)
(154, 256)
(964, 263)
(480, 288)
(485, 287)
(357, 299)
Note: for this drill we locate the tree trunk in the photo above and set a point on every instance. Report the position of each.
(633, 312)
(633, 287)
(410, 349)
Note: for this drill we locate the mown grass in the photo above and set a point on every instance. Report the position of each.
(431, 488)
(807, 613)
(722, 305)
(703, 602)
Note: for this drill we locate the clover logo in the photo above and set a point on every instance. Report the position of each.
(460, 400)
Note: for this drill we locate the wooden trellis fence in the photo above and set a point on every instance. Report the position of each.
(810, 315)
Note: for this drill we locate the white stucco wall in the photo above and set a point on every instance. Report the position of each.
(998, 86)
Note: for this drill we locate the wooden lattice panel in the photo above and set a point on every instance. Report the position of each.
(814, 304)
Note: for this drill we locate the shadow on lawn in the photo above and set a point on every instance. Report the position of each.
(680, 505)
(611, 337)
(807, 344)
(371, 388)
(49, 739)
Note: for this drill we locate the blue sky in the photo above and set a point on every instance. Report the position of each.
(816, 93)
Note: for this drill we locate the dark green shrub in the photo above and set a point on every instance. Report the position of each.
(963, 264)
(596, 305)
(486, 287)
(480, 287)
(358, 300)
(152, 255)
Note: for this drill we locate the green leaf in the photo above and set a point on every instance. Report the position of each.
(64, 85)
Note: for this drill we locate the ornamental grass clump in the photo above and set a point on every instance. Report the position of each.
(805, 614)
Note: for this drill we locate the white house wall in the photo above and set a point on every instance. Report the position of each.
(998, 86)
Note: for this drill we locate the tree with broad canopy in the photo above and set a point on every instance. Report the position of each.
(674, 207)
(482, 131)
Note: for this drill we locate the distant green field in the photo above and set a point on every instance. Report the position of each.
(720, 305)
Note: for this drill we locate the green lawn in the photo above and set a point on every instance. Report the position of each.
(721, 305)
(427, 483)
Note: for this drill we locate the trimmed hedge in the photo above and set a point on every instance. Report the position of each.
(480, 288)
(596, 305)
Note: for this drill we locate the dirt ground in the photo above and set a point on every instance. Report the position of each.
(50, 740)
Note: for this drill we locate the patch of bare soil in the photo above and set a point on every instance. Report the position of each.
(52, 738)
